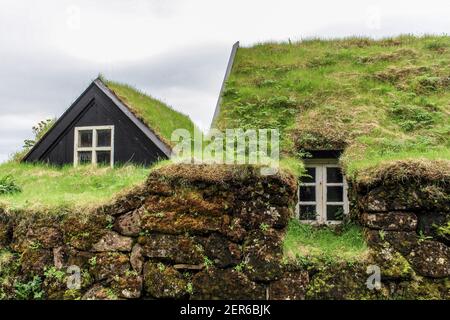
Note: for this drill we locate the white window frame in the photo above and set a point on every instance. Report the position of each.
(321, 192)
(94, 147)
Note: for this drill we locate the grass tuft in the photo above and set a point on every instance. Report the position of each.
(46, 187)
(345, 243)
(161, 118)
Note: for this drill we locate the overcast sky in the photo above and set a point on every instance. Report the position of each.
(175, 50)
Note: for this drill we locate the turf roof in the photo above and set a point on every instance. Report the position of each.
(158, 116)
(379, 100)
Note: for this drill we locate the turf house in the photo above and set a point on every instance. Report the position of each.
(110, 124)
(360, 208)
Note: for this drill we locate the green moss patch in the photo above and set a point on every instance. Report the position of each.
(305, 242)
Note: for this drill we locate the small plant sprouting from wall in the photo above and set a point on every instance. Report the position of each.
(8, 185)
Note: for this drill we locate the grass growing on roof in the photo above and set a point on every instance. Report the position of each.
(45, 187)
(306, 241)
(161, 118)
(379, 100)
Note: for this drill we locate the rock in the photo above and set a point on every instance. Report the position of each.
(222, 252)
(128, 286)
(192, 267)
(189, 202)
(431, 259)
(129, 224)
(291, 286)
(81, 259)
(401, 241)
(421, 288)
(228, 284)
(112, 241)
(341, 281)
(172, 248)
(34, 261)
(98, 292)
(389, 198)
(235, 230)
(430, 222)
(107, 265)
(176, 223)
(408, 197)
(392, 264)
(82, 232)
(263, 251)
(257, 212)
(164, 282)
(25, 236)
(392, 221)
(137, 258)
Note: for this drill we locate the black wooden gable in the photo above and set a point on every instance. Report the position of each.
(97, 106)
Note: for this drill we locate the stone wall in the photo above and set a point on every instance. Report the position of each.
(216, 232)
(193, 232)
(407, 224)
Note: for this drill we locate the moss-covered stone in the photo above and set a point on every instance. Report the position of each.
(341, 282)
(180, 223)
(105, 266)
(112, 241)
(392, 264)
(161, 281)
(391, 221)
(228, 284)
(421, 288)
(82, 232)
(405, 197)
(98, 292)
(262, 254)
(128, 286)
(291, 286)
(173, 248)
(34, 261)
(221, 251)
(431, 259)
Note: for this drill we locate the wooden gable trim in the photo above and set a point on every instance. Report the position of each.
(227, 75)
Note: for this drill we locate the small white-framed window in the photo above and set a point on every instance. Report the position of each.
(323, 194)
(94, 145)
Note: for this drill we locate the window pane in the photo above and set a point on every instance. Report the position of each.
(334, 194)
(104, 138)
(308, 212)
(104, 158)
(335, 212)
(334, 175)
(85, 138)
(85, 157)
(307, 193)
(311, 172)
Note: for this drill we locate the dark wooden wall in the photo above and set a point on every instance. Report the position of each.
(94, 108)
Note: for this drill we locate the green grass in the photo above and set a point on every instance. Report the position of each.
(47, 187)
(378, 100)
(162, 119)
(307, 241)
